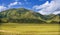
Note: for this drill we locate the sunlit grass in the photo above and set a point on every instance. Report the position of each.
(30, 29)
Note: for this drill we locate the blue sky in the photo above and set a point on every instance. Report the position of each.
(24, 3)
(35, 5)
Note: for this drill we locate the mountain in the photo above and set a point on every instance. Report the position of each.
(53, 18)
(22, 15)
(56, 19)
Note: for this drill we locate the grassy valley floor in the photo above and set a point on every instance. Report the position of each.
(29, 29)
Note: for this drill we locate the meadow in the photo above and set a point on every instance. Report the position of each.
(29, 29)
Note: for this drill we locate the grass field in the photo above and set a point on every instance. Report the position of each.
(29, 29)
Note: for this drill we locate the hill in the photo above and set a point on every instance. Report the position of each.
(22, 15)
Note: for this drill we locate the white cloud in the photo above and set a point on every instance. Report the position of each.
(14, 3)
(57, 12)
(41, 6)
(2, 8)
(48, 8)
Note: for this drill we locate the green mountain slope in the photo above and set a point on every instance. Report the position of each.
(22, 15)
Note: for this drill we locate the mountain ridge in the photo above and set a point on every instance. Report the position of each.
(24, 15)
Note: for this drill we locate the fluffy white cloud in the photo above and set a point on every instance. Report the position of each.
(48, 8)
(2, 8)
(41, 6)
(14, 3)
(57, 12)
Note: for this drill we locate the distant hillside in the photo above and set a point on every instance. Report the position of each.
(22, 15)
(53, 18)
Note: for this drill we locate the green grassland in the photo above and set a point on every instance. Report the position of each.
(29, 29)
